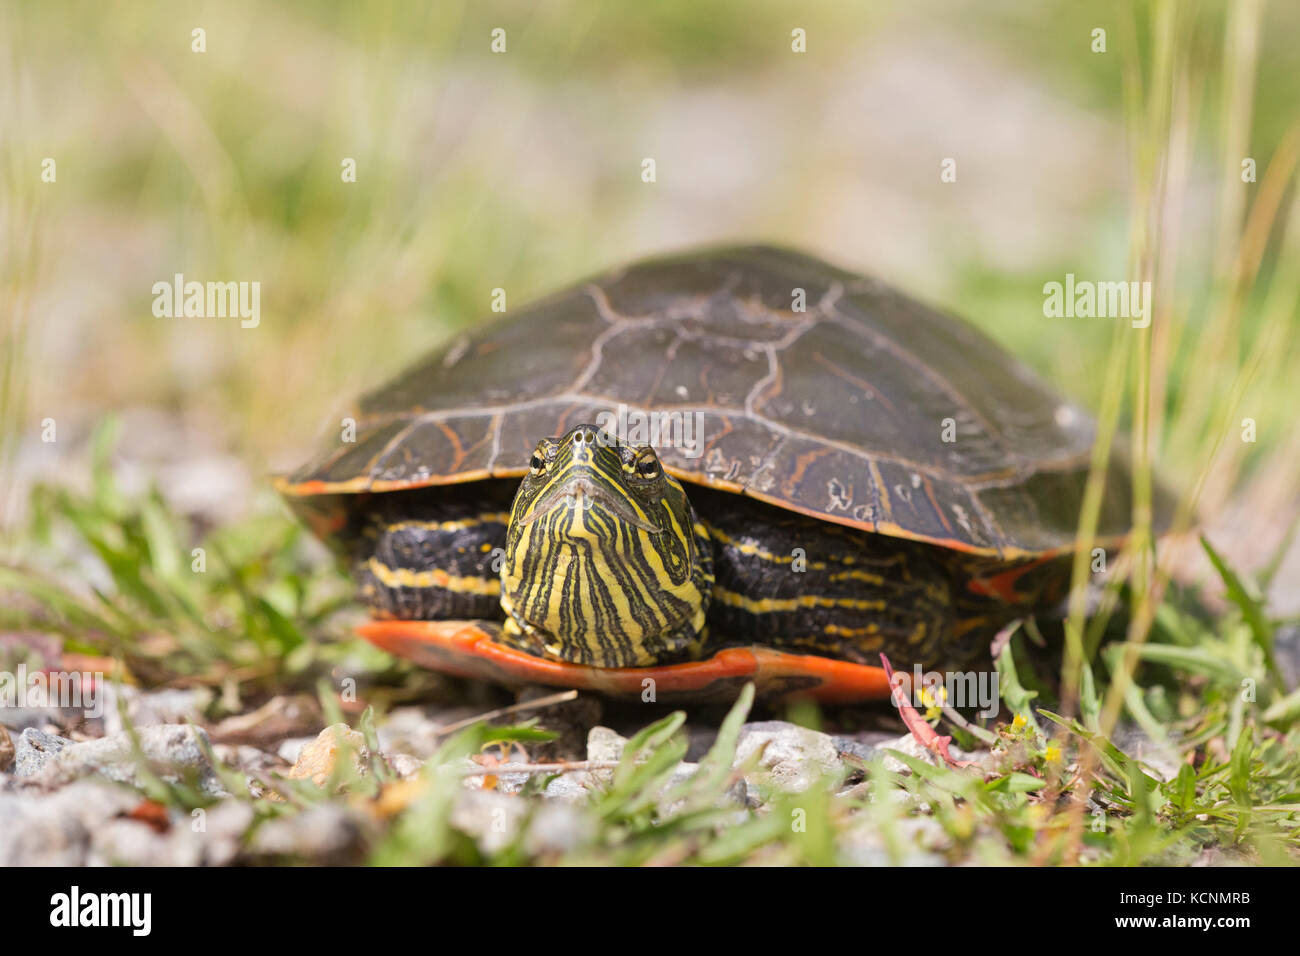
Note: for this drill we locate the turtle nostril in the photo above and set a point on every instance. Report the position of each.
(589, 437)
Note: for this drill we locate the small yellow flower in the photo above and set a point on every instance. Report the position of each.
(1052, 754)
(1019, 723)
(934, 697)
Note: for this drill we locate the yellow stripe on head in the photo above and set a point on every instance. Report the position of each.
(602, 555)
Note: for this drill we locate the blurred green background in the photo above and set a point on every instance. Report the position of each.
(522, 170)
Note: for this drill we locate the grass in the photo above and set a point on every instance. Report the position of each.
(243, 603)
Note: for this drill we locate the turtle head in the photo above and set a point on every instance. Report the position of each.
(605, 563)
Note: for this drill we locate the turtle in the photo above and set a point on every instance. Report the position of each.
(729, 465)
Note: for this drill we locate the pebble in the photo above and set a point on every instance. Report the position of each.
(571, 787)
(57, 829)
(491, 819)
(794, 758)
(35, 749)
(291, 748)
(6, 750)
(317, 760)
(176, 750)
(327, 834)
(405, 766)
(559, 828)
(605, 744)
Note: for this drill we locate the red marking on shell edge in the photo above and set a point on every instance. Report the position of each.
(467, 649)
(1002, 586)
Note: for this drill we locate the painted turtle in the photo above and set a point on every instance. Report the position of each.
(865, 475)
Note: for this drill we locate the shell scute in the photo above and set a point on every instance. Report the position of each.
(839, 410)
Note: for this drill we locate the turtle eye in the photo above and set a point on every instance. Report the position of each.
(543, 454)
(648, 467)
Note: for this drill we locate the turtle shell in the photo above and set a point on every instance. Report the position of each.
(797, 382)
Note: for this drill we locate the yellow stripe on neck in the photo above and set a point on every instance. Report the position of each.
(770, 605)
(753, 550)
(462, 524)
(436, 578)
